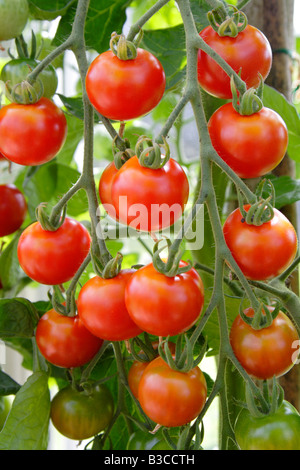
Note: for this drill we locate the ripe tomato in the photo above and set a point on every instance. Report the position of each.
(149, 200)
(158, 303)
(64, 341)
(267, 352)
(80, 415)
(13, 209)
(53, 258)
(251, 145)
(125, 89)
(13, 18)
(105, 185)
(262, 252)
(32, 134)
(249, 53)
(16, 70)
(277, 431)
(137, 369)
(171, 398)
(102, 309)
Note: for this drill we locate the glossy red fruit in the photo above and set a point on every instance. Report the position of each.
(13, 209)
(53, 257)
(64, 341)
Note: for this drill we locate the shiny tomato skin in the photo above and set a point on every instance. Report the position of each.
(64, 341)
(149, 200)
(78, 415)
(169, 397)
(13, 209)
(251, 145)
(267, 352)
(250, 52)
(262, 252)
(158, 303)
(102, 309)
(32, 134)
(125, 89)
(277, 431)
(53, 258)
(105, 185)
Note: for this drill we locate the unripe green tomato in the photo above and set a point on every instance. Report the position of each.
(140, 440)
(16, 70)
(13, 18)
(277, 431)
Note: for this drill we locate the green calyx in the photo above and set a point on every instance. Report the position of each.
(122, 156)
(25, 92)
(263, 316)
(151, 154)
(262, 210)
(250, 102)
(227, 21)
(273, 396)
(45, 220)
(122, 48)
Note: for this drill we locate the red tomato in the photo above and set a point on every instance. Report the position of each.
(149, 200)
(162, 305)
(13, 209)
(53, 258)
(267, 352)
(137, 369)
(64, 341)
(262, 252)
(102, 309)
(251, 145)
(32, 134)
(249, 53)
(171, 398)
(105, 185)
(125, 89)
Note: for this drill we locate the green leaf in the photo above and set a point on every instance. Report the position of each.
(102, 19)
(168, 45)
(27, 424)
(18, 318)
(276, 101)
(49, 9)
(74, 106)
(8, 386)
(287, 190)
(74, 136)
(10, 271)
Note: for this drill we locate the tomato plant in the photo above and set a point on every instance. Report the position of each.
(255, 348)
(53, 257)
(5, 406)
(276, 431)
(125, 89)
(139, 440)
(102, 309)
(16, 70)
(13, 18)
(32, 134)
(64, 341)
(169, 397)
(149, 199)
(249, 54)
(251, 145)
(157, 303)
(13, 209)
(80, 415)
(262, 252)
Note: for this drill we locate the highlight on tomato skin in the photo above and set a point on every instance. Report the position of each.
(171, 398)
(267, 352)
(261, 252)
